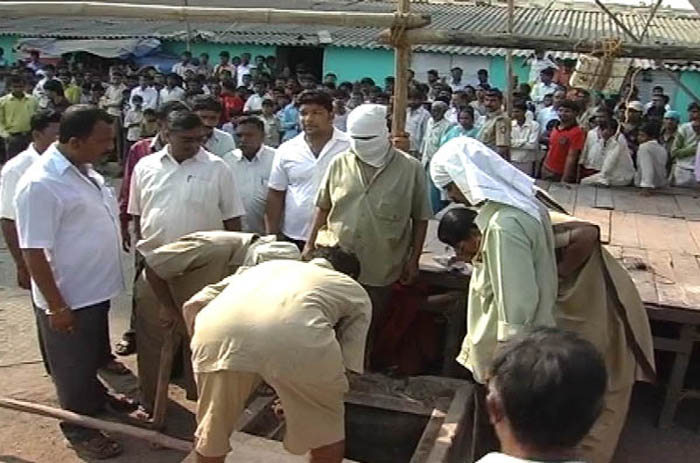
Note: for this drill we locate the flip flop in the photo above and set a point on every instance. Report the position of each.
(125, 347)
(99, 447)
(116, 368)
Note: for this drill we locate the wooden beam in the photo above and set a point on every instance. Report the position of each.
(650, 19)
(94, 423)
(617, 21)
(207, 14)
(678, 81)
(553, 43)
(402, 59)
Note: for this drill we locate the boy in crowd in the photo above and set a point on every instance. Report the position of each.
(272, 124)
(133, 121)
(545, 392)
(149, 125)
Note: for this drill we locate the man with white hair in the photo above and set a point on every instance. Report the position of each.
(514, 282)
(358, 207)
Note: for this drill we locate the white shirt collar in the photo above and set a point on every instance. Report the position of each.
(165, 153)
(238, 154)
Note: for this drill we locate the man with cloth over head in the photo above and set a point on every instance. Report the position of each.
(373, 202)
(297, 326)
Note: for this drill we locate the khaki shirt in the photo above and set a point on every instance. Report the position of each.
(514, 283)
(284, 318)
(372, 213)
(494, 131)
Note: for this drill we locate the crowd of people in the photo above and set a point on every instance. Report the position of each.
(230, 165)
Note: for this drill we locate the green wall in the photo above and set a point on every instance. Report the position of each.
(352, 64)
(6, 43)
(236, 49)
(692, 80)
(497, 71)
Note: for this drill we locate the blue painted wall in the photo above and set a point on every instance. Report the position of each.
(353, 64)
(680, 103)
(236, 49)
(6, 43)
(497, 71)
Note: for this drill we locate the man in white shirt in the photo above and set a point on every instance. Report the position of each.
(49, 72)
(416, 121)
(224, 65)
(243, 69)
(179, 190)
(171, 91)
(299, 167)
(185, 64)
(251, 164)
(542, 409)
(524, 140)
(253, 104)
(44, 131)
(146, 91)
(456, 83)
(69, 235)
(550, 113)
(216, 141)
(544, 87)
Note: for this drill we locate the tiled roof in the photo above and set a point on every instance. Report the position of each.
(678, 28)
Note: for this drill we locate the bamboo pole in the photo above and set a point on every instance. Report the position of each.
(95, 423)
(509, 73)
(208, 14)
(528, 42)
(402, 58)
(189, 29)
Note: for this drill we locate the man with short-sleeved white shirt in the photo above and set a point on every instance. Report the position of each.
(251, 163)
(299, 167)
(146, 91)
(70, 240)
(179, 190)
(171, 91)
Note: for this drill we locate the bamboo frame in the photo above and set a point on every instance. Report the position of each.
(208, 14)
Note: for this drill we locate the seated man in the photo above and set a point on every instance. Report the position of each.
(298, 327)
(597, 300)
(545, 392)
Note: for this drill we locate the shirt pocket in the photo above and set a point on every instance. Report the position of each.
(199, 191)
(392, 218)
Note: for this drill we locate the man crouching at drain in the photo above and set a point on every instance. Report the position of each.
(297, 326)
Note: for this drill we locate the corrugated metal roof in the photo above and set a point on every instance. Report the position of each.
(678, 29)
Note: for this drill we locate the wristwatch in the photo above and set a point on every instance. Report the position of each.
(62, 309)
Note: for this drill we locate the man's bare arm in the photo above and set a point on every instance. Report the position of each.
(9, 232)
(273, 211)
(571, 166)
(320, 217)
(233, 224)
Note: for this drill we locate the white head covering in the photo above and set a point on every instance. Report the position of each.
(369, 120)
(481, 174)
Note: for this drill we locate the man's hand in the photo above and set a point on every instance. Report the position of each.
(409, 272)
(24, 281)
(62, 320)
(126, 237)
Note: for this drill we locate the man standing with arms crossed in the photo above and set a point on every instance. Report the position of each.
(299, 167)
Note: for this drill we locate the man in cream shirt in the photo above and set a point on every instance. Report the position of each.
(251, 164)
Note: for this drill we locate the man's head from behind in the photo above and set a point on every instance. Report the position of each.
(342, 260)
(545, 391)
(457, 229)
(44, 125)
(208, 108)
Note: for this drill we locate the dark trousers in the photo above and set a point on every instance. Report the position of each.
(139, 265)
(74, 359)
(40, 337)
(379, 297)
(15, 143)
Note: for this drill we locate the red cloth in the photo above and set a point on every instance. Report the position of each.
(407, 337)
(230, 103)
(138, 150)
(560, 143)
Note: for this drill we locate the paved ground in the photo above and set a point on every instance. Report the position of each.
(27, 438)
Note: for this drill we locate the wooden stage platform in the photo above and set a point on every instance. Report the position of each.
(657, 238)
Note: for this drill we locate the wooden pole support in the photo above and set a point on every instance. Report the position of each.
(402, 59)
(95, 423)
(208, 14)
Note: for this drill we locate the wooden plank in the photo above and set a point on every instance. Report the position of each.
(665, 233)
(687, 272)
(616, 251)
(564, 194)
(453, 426)
(585, 197)
(603, 198)
(660, 204)
(623, 229)
(689, 206)
(694, 228)
(633, 260)
(599, 217)
(427, 439)
(404, 405)
(626, 200)
(669, 291)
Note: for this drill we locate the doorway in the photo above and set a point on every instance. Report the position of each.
(311, 58)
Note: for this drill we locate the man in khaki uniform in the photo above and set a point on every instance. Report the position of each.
(178, 270)
(358, 206)
(298, 327)
(494, 131)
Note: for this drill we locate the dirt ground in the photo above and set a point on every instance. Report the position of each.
(26, 438)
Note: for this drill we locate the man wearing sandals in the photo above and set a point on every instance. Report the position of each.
(69, 236)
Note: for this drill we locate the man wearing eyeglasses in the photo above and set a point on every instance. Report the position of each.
(373, 202)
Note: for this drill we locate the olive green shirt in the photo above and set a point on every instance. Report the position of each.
(372, 211)
(513, 285)
(16, 113)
